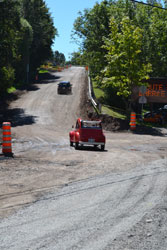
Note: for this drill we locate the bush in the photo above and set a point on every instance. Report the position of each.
(7, 76)
(111, 98)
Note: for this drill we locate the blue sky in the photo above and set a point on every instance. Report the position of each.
(64, 13)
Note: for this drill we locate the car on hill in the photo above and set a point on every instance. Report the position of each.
(88, 133)
(64, 87)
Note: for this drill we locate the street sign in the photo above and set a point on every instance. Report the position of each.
(142, 99)
(143, 89)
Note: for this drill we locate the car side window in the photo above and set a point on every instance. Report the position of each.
(77, 125)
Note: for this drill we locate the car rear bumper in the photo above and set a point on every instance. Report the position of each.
(64, 91)
(91, 143)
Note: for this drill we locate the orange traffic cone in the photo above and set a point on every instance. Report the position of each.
(7, 141)
(133, 121)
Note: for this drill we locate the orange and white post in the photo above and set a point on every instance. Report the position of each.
(133, 121)
(86, 67)
(7, 140)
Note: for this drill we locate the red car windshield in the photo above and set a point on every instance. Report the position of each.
(91, 124)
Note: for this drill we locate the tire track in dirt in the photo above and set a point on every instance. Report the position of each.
(89, 214)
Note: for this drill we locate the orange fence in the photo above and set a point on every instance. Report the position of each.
(7, 140)
(133, 121)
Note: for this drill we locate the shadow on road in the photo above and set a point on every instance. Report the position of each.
(91, 148)
(17, 117)
(145, 130)
(32, 87)
(47, 78)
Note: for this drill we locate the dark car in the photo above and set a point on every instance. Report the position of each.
(158, 116)
(64, 87)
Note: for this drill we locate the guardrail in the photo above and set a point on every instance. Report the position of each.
(97, 106)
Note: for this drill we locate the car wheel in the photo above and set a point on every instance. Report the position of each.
(102, 147)
(71, 143)
(76, 145)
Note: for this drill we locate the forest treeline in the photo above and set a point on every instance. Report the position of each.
(26, 35)
(123, 42)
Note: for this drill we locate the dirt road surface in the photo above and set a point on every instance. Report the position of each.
(55, 197)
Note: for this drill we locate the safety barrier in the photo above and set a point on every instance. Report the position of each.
(95, 105)
(6, 139)
(133, 121)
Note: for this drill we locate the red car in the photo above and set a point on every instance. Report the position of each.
(87, 133)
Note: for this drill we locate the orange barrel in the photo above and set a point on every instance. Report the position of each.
(133, 121)
(7, 140)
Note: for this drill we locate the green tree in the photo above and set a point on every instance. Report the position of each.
(76, 58)
(26, 35)
(124, 69)
(25, 41)
(90, 27)
(62, 59)
(38, 16)
(158, 41)
(9, 38)
(59, 58)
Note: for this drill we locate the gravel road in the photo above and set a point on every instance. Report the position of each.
(55, 197)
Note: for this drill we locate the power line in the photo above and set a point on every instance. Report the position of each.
(148, 4)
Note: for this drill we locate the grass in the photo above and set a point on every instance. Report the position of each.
(114, 112)
(42, 71)
(99, 93)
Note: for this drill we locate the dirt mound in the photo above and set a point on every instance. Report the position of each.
(111, 123)
(88, 112)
